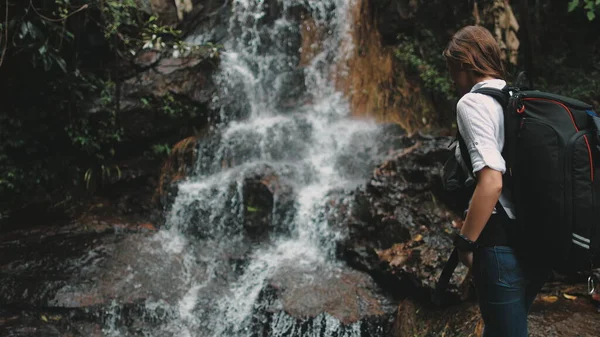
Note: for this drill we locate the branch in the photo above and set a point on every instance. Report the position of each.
(5, 36)
(56, 20)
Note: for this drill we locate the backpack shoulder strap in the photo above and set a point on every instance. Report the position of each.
(464, 151)
(500, 95)
(511, 120)
(503, 96)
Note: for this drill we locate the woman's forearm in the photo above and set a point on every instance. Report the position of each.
(486, 195)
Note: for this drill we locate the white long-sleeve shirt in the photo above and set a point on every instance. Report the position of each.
(480, 120)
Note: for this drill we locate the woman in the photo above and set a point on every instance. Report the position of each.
(506, 286)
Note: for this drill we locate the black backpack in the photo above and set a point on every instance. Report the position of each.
(553, 169)
(552, 152)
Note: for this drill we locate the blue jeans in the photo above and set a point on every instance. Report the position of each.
(506, 288)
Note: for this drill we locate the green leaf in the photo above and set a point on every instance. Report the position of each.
(61, 63)
(591, 15)
(251, 209)
(573, 4)
(24, 30)
(589, 5)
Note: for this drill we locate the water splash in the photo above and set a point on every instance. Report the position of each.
(309, 145)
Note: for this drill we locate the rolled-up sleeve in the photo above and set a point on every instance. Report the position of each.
(478, 124)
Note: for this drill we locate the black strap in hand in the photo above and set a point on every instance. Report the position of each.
(444, 280)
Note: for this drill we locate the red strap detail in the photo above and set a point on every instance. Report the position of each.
(587, 143)
(559, 103)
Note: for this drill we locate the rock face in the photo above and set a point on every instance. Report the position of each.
(254, 207)
(259, 207)
(188, 77)
(84, 275)
(163, 96)
(300, 302)
(167, 99)
(85, 267)
(398, 227)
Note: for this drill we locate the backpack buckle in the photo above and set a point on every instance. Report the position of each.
(592, 281)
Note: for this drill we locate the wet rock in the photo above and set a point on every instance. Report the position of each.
(398, 229)
(208, 22)
(164, 100)
(146, 58)
(259, 194)
(44, 323)
(87, 265)
(188, 77)
(253, 204)
(300, 301)
(98, 278)
(268, 203)
(258, 200)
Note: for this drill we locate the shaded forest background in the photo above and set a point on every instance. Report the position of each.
(84, 117)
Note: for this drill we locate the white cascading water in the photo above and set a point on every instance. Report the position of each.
(311, 147)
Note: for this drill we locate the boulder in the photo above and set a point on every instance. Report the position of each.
(88, 265)
(252, 204)
(187, 77)
(307, 301)
(398, 228)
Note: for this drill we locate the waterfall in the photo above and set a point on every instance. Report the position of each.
(281, 120)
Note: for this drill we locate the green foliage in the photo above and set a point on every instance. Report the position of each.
(59, 55)
(591, 7)
(419, 55)
(97, 136)
(175, 108)
(161, 150)
(104, 173)
(153, 33)
(579, 83)
(118, 14)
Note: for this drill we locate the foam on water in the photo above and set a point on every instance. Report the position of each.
(313, 146)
